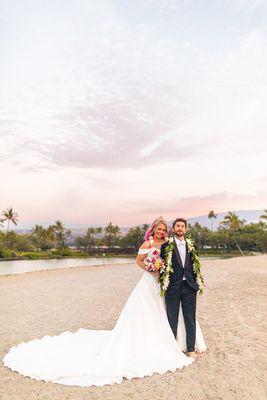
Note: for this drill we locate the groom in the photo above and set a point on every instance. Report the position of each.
(183, 286)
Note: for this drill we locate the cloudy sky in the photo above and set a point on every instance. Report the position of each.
(124, 110)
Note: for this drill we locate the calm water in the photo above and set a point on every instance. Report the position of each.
(21, 266)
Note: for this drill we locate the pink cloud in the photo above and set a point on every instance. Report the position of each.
(200, 205)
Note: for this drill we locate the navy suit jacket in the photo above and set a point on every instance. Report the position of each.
(176, 277)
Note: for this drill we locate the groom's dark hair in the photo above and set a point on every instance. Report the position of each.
(179, 220)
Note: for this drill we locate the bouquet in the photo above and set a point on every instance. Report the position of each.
(153, 262)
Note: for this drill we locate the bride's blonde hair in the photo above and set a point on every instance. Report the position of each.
(152, 227)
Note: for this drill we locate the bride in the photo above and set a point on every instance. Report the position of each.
(140, 344)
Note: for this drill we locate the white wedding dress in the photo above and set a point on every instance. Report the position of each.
(140, 344)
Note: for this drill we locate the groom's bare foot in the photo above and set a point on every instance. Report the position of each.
(192, 354)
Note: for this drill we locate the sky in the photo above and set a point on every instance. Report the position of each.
(124, 110)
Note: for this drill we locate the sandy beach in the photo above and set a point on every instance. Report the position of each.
(231, 314)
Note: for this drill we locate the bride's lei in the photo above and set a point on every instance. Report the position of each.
(151, 241)
(167, 269)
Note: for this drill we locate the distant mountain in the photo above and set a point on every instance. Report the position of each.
(249, 215)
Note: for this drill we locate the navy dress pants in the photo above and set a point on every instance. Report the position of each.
(187, 296)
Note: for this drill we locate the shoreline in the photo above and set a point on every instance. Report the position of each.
(67, 268)
(108, 264)
(203, 255)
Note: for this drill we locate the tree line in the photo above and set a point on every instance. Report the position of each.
(232, 235)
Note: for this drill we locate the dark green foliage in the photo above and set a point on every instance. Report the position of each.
(232, 237)
(134, 237)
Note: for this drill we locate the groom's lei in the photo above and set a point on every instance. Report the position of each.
(167, 269)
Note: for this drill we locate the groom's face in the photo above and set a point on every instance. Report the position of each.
(179, 229)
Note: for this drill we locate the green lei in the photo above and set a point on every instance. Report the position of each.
(164, 277)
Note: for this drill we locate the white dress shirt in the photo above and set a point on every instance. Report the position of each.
(182, 250)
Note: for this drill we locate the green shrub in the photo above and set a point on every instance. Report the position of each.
(7, 253)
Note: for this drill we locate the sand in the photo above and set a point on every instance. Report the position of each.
(231, 314)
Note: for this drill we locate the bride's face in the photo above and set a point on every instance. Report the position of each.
(160, 231)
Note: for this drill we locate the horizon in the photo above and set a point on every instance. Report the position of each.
(118, 111)
(45, 224)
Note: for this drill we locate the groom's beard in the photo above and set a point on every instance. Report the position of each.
(179, 234)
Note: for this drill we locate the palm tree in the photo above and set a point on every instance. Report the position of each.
(61, 233)
(89, 238)
(91, 231)
(44, 238)
(38, 230)
(112, 232)
(50, 233)
(233, 223)
(10, 216)
(212, 216)
(134, 237)
(264, 216)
